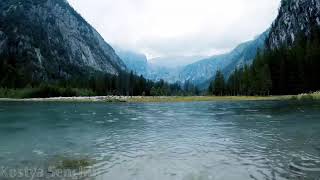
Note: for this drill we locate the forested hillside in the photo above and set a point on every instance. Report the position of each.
(281, 71)
(291, 61)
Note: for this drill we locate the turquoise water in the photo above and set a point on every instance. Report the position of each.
(174, 141)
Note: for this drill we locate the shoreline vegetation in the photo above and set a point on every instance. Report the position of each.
(155, 99)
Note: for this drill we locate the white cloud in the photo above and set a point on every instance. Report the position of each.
(178, 27)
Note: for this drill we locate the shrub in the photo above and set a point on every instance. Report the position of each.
(306, 97)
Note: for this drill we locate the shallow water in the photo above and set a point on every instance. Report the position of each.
(174, 141)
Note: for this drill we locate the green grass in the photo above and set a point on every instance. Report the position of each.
(198, 98)
(301, 97)
(74, 163)
(309, 97)
(46, 91)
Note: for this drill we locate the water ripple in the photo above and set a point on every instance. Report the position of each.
(183, 141)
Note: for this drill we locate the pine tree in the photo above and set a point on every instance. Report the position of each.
(219, 84)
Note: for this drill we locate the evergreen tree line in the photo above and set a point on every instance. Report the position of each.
(287, 70)
(12, 76)
(129, 84)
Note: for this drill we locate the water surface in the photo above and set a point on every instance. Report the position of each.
(166, 141)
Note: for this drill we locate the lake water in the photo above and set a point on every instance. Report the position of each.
(165, 141)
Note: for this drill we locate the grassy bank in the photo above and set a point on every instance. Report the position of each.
(310, 96)
(53, 94)
(301, 97)
(197, 98)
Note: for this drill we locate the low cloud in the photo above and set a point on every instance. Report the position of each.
(178, 27)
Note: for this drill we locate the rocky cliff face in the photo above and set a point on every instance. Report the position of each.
(295, 16)
(47, 39)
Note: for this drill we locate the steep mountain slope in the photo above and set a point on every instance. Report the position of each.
(138, 63)
(175, 61)
(295, 17)
(202, 71)
(169, 67)
(246, 53)
(157, 72)
(43, 40)
(134, 61)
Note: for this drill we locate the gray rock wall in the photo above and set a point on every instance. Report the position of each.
(295, 16)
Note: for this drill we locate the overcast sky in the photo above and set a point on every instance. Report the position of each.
(178, 27)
